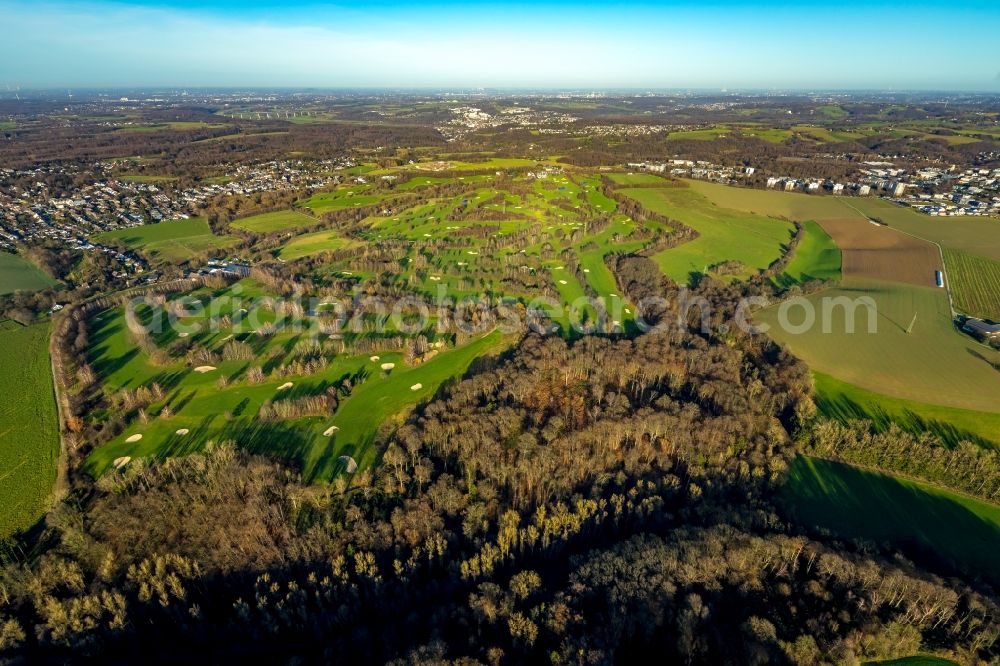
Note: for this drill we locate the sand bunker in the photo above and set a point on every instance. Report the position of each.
(373, 359)
(416, 387)
(388, 366)
(563, 282)
(329, 431)
(204, 368)
(121, 462)
(228, 337)
(352, 465)
(286, 385)
(182, 335)
(133, 439)
(182, 431)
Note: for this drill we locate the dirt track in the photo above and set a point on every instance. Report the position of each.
(882, 253)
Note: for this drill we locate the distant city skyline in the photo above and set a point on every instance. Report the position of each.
(735, 44)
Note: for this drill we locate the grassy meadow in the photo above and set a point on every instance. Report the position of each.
(171, 241)
(29, 428)
(753, 240)
(816, 257)
(17, 274)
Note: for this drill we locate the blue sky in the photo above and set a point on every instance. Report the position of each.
(887, 45)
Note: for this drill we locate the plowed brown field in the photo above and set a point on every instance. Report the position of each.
(881, 253)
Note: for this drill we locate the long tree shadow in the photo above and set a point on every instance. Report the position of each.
(933, 528)
(845, 409)
(990, 362)
(106, 367)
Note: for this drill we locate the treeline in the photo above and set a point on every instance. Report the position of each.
(968, 467)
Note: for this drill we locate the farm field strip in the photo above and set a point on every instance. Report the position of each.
(29, 428)
(975, 283)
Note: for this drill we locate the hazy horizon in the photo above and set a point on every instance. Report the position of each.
(551, 44)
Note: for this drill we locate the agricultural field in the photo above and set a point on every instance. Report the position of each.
(147, 178)
(976, 235)
(29, 428)
(975, 283)
(933, 363)
(726, 235)
(927, 520)
(626, 179)
(816, 257)
(17, 273)
(365, 376)
(180, 125)
(845, 402)
(771, 203)
(170, 241)
(875, 252)
(282, 220)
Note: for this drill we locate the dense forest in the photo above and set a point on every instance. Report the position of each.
(589, 502)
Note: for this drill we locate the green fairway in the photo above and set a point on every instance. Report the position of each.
(933, 364)
(17, 273)
(213, 413)
(725, 235)
(172, 240)
(917, 517)
(325, 202)
(281, 220)
(314, 243)
(29, 428)
(843, 401)
(974, 282)
(816, 257)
